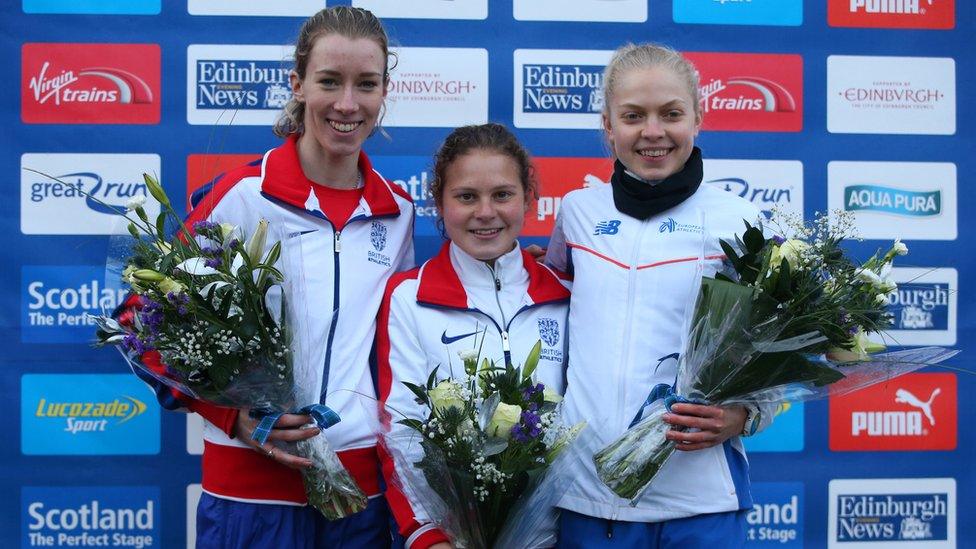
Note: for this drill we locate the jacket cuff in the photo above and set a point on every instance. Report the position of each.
(222, 418)
(425, 536)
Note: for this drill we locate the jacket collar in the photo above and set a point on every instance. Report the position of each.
(440, 285)
(282, 178)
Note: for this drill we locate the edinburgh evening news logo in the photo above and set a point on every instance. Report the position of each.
(776, 517)
(892, 14)
(921, 196)
(85, 516)
(87, 414)
(739, 12)
(750, 91)
(891, 95)
(82, 193)
(916, 411)
(57, 301)
(765, 183)
(426, 9)
(438, 88)
(414, 175)
(101, 7)
(559, 88)
(291, 8)
(618, 11)
(236, 84)
(90, 83)
(874, 511)
(924, 306)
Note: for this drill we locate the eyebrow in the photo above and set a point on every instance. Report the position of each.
(332, 72)
(672, 103)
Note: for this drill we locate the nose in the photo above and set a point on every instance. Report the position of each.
(347, 101)
(653, 128)
(485, 209)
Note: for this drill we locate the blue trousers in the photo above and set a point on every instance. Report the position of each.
(710, 531)
(226, 524)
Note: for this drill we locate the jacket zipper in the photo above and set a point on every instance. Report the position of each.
(506, 344)
(336, 248)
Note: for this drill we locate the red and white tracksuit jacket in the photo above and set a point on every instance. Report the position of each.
(634, 287)
(431, 313)
(342, 274)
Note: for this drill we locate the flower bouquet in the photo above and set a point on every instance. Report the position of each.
(210, 316)
(788, 321)
(488, 464)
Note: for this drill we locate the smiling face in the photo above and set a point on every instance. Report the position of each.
(651, 122)
(343, 91)
(483, 203)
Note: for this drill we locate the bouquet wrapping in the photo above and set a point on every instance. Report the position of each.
(212, 315)
(490, 461)
(788, 321)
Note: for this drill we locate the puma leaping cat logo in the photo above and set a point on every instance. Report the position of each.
(905, 397)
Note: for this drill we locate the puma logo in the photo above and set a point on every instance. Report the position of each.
(903, 396)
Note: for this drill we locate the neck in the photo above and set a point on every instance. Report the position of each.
(336, 171)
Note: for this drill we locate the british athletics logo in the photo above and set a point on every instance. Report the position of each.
(750, 92)
(912, 412)
(90, 83)
(892, 14)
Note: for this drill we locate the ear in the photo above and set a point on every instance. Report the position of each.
(296, 87)
(698, 122)
(607, 130)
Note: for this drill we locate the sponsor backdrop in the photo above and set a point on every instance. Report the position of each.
(809, 105)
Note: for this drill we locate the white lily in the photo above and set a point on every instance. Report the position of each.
(197, 266)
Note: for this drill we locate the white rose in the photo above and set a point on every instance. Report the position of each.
(136, 201)
(899, 247)
(446, 394)
(506, 416)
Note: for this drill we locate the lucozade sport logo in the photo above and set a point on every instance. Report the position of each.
(912, 412)
(90, 83)
(892, 14)
(750, 92)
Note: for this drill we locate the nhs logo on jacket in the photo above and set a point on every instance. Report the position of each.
(923, 307)
(56, 302)
(101, 516)
(775, 519)
(868, 511)
(414, 175)
(87, 414)
(739, 12)
(85, 194)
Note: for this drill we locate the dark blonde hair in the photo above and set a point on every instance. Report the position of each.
(639, 56)
(345, 21)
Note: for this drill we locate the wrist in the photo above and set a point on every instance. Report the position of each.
(753, 418)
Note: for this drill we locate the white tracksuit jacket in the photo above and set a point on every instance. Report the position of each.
(634, 286)
(431, 313)
(341, 274)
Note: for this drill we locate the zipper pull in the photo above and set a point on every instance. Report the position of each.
(337, 245)
(505, 345)
(498, 285)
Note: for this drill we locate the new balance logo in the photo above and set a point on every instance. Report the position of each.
(607, 227)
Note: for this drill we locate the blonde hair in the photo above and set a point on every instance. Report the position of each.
(638, 56)
(345, 21)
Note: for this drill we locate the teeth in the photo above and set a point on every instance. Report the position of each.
(654, 152)
(485, 231)
(344, 128)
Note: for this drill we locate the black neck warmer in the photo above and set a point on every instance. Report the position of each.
(641, 200)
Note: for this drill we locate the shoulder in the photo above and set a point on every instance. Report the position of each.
(586, 197)
(206, 198)
(723, 202)
(402, 284)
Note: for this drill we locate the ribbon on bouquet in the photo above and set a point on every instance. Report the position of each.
(661, 391)
(323, 417)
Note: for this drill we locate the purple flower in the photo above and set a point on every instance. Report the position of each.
(233, 244)
(528, 428)
(530, 392)
(133, 343)
(778, 239)
(151, 315)
(210, 251)
(214, 262)
(201, 226)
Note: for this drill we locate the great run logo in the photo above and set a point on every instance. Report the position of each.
(892, 510)
(87, 414)
(85, 516)
(750, 92)
(559, 88)
(83, 193)
(765, 183)
(237, 84)
(90, 83)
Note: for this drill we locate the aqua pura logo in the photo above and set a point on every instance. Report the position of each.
(891, 200)
(83, 516)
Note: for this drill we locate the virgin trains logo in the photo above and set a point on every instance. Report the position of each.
(750, 92)
(90, 83)
(918, 14)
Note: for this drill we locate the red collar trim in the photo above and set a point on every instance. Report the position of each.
(439, 284)
(283, 178)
